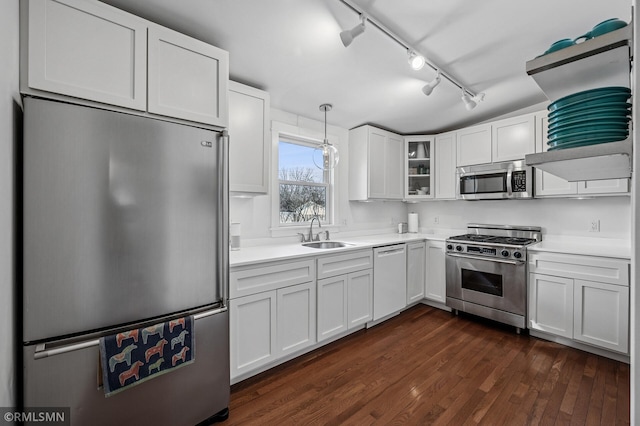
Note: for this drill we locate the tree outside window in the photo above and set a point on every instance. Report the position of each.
(305, 190)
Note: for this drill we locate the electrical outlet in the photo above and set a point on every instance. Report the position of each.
(344, 222)
(436, 219)
(394, 221)
(594, 225)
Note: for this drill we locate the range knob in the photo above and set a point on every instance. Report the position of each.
(517, 254)
(505, 253)
(449, 246)
(459, 248)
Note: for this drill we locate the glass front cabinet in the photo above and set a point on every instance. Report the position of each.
(418, 167)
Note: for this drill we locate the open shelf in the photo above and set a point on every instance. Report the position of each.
(610, 160)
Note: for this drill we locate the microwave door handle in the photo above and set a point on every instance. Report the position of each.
(509, 186)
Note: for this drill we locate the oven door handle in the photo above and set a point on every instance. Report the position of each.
(466, 256)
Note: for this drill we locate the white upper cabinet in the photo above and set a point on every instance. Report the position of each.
(249, 139)
(445, 166)
(474, 145)
(513, 138)
(375, 164)
(94, 52)
(418, 167)
(84, 49)
(188, 78)
(503, 140)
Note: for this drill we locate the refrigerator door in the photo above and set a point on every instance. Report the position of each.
(120, 218)
(185, 396)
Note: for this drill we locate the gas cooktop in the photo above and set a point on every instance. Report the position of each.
(492, 239)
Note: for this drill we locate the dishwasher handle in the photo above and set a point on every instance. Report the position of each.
(390, 252)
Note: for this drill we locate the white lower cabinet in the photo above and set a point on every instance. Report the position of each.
(332, 306)
(344, 297)
(435, 284)
(415, 272)
(601, 314)
(272, 313)
(584, 298)
(252, 331)
(551, 304)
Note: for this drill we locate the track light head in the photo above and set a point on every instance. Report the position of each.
(347, 36)
(471, 102)
(428, 88)
(416, 61)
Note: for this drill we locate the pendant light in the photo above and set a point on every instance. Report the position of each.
(325, 156)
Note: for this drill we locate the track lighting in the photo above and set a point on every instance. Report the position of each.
(428, 88)
(325, 156)
(471, 102)
(347, 36)
(416, 61)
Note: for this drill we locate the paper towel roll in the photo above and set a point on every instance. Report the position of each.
(413, 222)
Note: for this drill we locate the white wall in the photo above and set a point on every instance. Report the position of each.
(556, 216)
(9, 98)
(254, 214)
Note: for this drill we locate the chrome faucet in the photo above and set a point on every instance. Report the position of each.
(310, 236)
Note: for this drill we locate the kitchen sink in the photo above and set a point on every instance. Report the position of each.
(326, 244)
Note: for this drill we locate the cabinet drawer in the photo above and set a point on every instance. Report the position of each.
(591, 268)
(270, 276)
(330, 266)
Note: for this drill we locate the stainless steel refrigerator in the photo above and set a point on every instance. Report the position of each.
(123, 226)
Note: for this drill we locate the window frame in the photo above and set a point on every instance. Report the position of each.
(311, 138)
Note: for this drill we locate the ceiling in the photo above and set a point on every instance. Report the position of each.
(292, 49)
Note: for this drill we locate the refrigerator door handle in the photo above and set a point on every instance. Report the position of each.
(223, 218)
(42, 351)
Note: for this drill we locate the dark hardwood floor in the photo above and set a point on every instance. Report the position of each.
(427, 366)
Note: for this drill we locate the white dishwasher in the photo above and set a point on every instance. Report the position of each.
(389, 280)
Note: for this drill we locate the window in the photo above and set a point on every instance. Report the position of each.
(304, 189)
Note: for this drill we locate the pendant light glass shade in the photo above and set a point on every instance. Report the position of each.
(325, 156)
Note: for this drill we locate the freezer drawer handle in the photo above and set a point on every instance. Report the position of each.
(43, 352)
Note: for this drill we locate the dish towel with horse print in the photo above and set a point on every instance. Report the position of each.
(132, 357)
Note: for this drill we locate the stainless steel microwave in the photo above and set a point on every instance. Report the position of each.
(511, 179)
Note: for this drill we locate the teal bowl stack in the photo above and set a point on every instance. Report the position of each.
(591, 117)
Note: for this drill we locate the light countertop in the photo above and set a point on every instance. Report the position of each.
(269, 253)
(604, 247)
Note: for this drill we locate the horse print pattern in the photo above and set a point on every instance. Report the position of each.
(163, 347)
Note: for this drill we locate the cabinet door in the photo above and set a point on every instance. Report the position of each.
(296, 317)
(603, 187)
(551, 304)
(249, 140)
(415, 272)
(418, 167)
(89, 50)
(377, 163)
(474, 145)
(513, 138)
(188, 78)
(393, 165)
(601, 315)
(445, 167)
(253, 332)
(332, 306)
(435, 288)
(359, 297)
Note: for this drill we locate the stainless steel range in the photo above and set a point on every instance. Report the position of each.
(487, 271)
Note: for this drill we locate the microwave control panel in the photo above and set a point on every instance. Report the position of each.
(519, 181)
